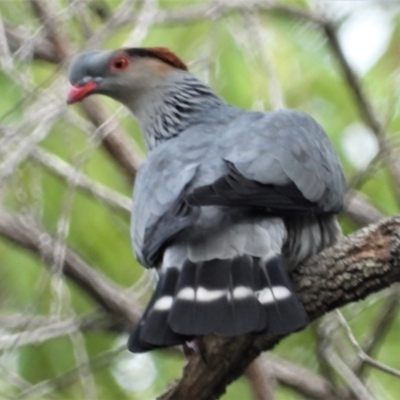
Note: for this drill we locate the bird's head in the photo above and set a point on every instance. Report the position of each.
(120, 74)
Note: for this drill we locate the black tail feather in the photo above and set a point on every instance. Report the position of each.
(201, 303)
(227, 297)
(153, 330)
(284, 312)
(221, 299)
(248, 312)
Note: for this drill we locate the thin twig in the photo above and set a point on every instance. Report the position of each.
(117, 143)
(361, 353)
(61, 168)
(108, 295)
(96, 363)
(300, 379)
(56, 33)
(219, 9)
(360, 210)
(353, 382)
(261, 42)
(388, 314)
(46, 331)
(365, 107)
(19, 322)
(49, 116)
(261, 380)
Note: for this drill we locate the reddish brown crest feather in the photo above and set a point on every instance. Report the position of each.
(168, 56)
(161, 53)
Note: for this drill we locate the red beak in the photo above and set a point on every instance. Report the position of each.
(77, 93)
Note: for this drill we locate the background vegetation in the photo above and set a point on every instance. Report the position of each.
(70, 289)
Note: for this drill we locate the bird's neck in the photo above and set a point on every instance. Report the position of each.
(168, 109)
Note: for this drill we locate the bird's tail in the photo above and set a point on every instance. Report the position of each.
(227, 297)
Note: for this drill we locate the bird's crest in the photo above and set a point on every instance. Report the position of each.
(161, 53)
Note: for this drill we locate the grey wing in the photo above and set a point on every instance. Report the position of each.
(281, 161)
(159, 210)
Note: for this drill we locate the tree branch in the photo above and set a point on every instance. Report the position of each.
(219, 9)
(364, 105)
(117, 143)
(382, 326)
(360, 210)
(115, 140)
(363, 263)
(262, 381)
(61, 168)
(300, 379)
(25, 233)
(47, 330)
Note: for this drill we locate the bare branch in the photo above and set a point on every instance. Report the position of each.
(56, 33)
(48, 115)
(39, 49)
(46, 330)
(365, 107)
(300, 379)
(108, 295)
(388, 313)
(117, 143)
(261, 379)
(363, 263)
(125, 14)
(69, 173)
(17, 322)
(268, 369)
(362, 101)
(361, 353)
(68, 378)
(218, 9)
(353, 382)
(260, 42)
(360, 210)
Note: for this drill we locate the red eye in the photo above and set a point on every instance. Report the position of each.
(120, 63)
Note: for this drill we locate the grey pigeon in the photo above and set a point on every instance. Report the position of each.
(227, 202)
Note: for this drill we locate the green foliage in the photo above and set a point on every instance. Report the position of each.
(222, 51)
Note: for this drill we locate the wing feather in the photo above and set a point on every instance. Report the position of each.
(293, 168)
